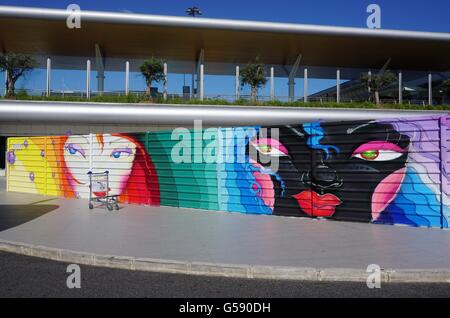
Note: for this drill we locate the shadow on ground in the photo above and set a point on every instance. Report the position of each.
(12, 215)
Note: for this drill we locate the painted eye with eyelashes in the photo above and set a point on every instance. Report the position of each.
(120, 152)
(74, 149)
(270, 147)
(378, 151)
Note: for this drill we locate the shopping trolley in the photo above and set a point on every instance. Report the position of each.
(99, 191)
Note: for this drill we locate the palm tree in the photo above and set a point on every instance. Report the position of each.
(377, 82)
(253, 74)
(153, 71)
(16, 66)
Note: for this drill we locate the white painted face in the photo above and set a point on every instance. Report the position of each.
(109, 153)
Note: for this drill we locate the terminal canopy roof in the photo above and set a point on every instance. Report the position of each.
(120, 36)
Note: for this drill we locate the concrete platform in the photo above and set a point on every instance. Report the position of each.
(219, 243)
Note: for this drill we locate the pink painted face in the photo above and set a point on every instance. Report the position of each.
(387, 189)
(274, 149)
(378, 151)
(270, 147)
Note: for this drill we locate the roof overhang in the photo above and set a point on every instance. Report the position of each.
(136, 36)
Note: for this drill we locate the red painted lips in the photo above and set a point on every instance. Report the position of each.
(314, 204)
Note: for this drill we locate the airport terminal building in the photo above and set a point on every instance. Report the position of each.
(198, 47)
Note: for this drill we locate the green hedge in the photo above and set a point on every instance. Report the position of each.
(133, 98)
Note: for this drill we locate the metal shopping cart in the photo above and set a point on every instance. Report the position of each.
(100, 191)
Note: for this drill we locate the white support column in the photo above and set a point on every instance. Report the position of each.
(237, 82)
(6, 82)
(165, 82)
(201, 82)
(305, 85)
(400, 88)
(272, 84)
(338, 86)
(127, 78)
(88, 79)
(430, 87)
(49, 75)
(200, 61)
(193, 93)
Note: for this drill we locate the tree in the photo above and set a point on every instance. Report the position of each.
(153, 71)
(445, 88)
(253, 74)
(376, 82)
(16, 66)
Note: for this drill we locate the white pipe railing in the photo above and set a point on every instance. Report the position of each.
(123, 113)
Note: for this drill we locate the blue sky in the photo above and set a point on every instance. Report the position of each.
(420, 15)
(423, 15)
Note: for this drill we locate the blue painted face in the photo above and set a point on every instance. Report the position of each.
(73, 149)
(116, 154)
(316, 134)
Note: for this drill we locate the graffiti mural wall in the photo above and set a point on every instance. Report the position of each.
(384, 171)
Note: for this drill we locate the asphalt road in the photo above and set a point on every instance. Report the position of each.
(22, 276)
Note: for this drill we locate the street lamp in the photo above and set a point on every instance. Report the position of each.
(193, 11)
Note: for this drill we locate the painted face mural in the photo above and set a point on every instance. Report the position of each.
(131, 171)
(111, 153)
(60, 165)
(379, 171)
(346, 171)
(392, 171)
